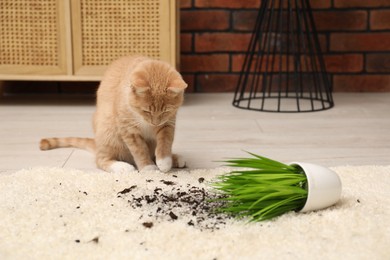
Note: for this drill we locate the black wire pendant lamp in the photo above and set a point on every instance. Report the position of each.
(283, 69)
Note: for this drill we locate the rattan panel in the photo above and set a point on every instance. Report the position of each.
(110, 29)
(29, 32)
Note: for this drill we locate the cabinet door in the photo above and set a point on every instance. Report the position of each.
(32, 38)
(106, 30)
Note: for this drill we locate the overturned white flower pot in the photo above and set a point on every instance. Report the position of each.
(260, 188)
(323, 185)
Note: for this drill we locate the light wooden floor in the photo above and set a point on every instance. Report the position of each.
(355, 132)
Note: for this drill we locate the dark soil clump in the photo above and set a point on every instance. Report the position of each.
(169, 201)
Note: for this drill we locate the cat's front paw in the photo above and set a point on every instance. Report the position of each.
(164, 164)
(178, 161)
(147, 168)
(121, 167)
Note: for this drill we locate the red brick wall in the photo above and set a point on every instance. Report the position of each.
(354, 34)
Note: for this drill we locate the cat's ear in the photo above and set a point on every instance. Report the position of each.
(177, 86)
(138, 90)
(138, 84)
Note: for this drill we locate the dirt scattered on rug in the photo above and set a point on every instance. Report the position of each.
(165, 200)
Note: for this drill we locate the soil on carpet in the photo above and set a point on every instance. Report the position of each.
(169, 201)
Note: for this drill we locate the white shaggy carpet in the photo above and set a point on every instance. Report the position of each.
(52, 213)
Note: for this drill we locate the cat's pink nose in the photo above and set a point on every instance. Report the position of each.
(155, 121)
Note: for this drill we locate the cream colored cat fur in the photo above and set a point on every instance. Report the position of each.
(135, 116)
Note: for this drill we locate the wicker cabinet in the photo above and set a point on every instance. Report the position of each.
(77, 39)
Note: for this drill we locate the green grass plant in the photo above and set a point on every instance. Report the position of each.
(259, 188)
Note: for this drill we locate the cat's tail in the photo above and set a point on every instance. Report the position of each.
(77, 142)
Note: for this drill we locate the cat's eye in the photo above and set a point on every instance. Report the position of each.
(146, 111)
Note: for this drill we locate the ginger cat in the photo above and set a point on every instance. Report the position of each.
(135, 116)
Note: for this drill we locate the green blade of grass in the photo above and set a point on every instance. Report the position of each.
(263, 190)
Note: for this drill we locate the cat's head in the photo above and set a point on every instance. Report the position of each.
(156, 91)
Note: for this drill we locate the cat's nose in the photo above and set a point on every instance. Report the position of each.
(155, 121)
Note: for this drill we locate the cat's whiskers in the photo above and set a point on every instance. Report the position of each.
(134, 124)
(171, 122)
